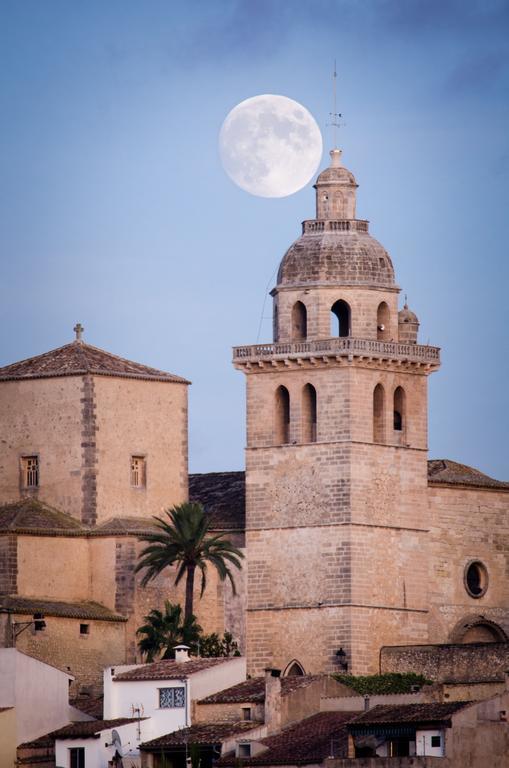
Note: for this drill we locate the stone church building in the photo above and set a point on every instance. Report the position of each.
(354, 540)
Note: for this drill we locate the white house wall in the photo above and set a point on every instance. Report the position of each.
(29, 685)
(97, 754)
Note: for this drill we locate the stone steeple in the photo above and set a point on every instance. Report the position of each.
(336, 472)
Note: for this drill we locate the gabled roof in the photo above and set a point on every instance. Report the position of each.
(223, 496)
(169, 669)
(78, 359)
(253, 690)
(76, 610)
(305, 742)
(409, 713)
(202, 733)
(447, 472)
(33, 515)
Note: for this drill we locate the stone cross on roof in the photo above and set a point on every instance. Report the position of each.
(78, 330)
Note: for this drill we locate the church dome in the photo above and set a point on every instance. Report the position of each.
(345, 258)
(406, 315)
(336, 247)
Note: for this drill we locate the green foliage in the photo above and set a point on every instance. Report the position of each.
(213, 645)
(183, 539)
(392, 682)
(164, 630)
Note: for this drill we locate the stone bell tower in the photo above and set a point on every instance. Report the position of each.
(336, 458)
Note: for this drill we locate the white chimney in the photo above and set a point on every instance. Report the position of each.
(181, 653)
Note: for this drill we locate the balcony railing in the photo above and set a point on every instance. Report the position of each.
(338, 346)
(340, 225)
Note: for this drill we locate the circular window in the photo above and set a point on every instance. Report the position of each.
(476, 578)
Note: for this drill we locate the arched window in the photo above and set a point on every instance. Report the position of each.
(379, 414)
(282, 415)
(299, 321)
(293, 669)
(309, 414)
(340, 318)
(383, 317)
(399, 409)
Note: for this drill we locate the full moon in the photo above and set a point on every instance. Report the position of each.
(270, 145)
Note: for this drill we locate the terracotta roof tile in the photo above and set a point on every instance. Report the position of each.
(409, 713)
(79, 610)
(308, 741)
(33, 515)
(253, 690)
(202, 733)
(90, 705)
(169, 669)
(78, 358)
(223, 496)
(89, 728)
(447, 472)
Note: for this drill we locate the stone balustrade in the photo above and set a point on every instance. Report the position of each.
(338, 346)
(342, 225)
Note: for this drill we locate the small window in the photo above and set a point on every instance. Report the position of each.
(138, 471)
(84, 629)
(282, 416)
(476, 579)
(244, 750)
(436, 741)
(172, 698)
(340, 319)
(246, 713)
(77, 757)
(30, 471)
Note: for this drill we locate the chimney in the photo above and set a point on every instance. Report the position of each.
(506, 680)
(181, 653)
(273, 700)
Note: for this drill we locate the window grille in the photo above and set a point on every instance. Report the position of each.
(138, 473)
(170, 698)
(30, 471)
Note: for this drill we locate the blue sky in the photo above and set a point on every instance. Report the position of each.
(115, 211)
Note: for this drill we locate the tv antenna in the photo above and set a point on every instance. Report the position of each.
(335, 116)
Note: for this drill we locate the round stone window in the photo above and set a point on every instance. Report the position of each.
(476, 578)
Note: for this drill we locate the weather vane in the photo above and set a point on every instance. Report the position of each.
(334, 116)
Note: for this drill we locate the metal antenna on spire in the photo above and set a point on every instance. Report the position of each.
(334, 116)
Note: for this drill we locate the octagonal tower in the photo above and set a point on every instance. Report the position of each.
(336, 458)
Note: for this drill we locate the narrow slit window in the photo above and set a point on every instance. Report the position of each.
(299, 321)
(399, 409)
(282, 416)
(378, 414)
(30, 471)
(138, 472)
(309, 414)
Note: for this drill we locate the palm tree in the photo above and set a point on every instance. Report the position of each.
(183, 539)
(165, 631)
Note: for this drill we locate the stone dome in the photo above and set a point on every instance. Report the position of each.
(336, 175)
(406, 315)
(341, 257)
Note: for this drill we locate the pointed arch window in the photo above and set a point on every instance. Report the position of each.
(309, 414)
(341, 318)
(383, 319)
(399, 409)
(379, 414)
(294, 669)
(282, 416)
(299, 321)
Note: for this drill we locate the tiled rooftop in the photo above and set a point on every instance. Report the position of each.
(80, 610)
(447, 472)
(33, 515)
(202, 733)
(89, 728)
(169, 669)
(309, 741)
(78, 358)
(253, 690)
(409, 713)
(223, 496)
